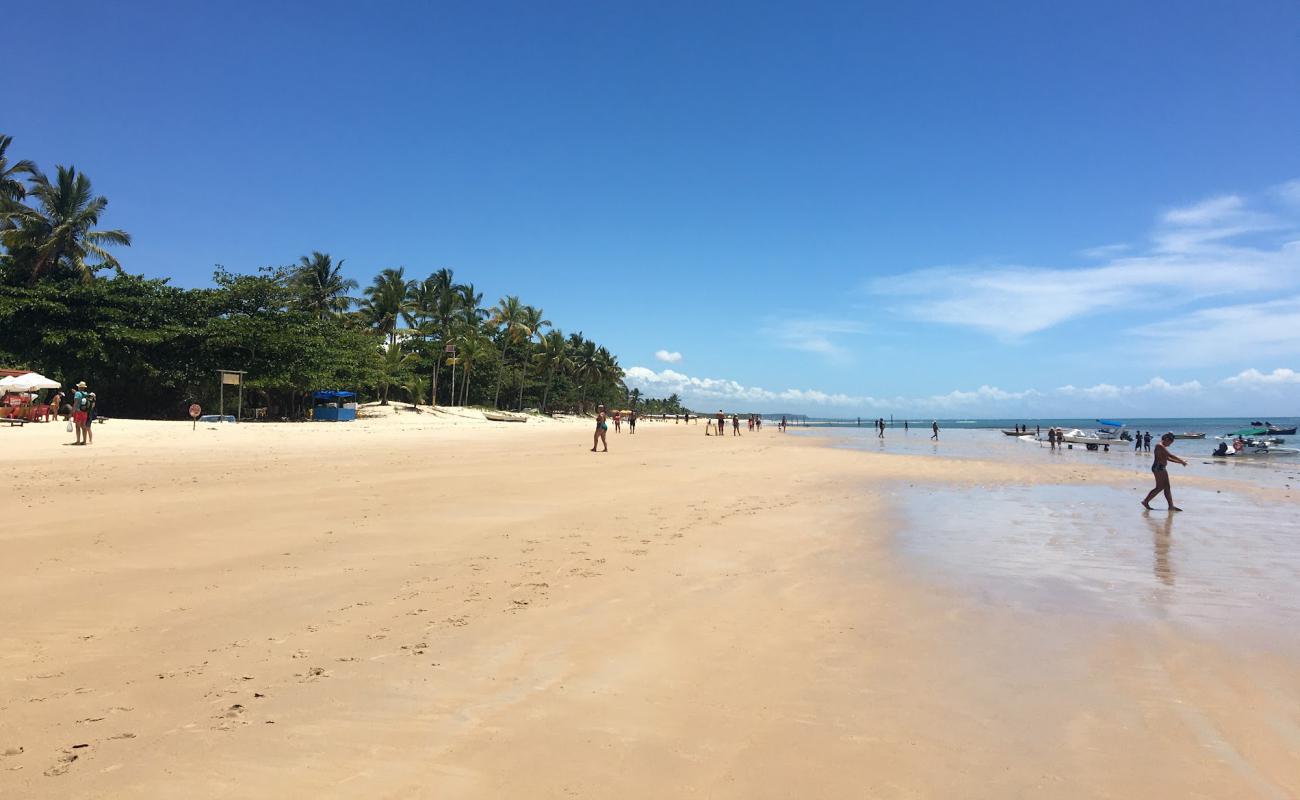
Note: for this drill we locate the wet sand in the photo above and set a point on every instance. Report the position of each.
(419, 610)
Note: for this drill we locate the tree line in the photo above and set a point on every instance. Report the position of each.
(68, 309)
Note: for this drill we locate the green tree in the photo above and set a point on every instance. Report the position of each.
(552, 356)
(386, 302)
(507, 317)
(321, 287)
(12, 189)
(532, 325)
(56, 234)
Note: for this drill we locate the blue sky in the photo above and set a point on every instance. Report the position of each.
(842, 208)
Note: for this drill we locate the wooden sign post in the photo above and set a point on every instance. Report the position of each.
(195, 411)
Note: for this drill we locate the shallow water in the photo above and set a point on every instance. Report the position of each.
(1275, 472)
(1224, 563)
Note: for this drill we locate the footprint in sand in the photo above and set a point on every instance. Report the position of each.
(63, 765)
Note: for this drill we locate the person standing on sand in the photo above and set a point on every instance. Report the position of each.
(631, 421)
(722, 422)
(934, 427)
(618, 421)
(90, 418)
(79, 400)
(735, 424)
(601, 427)
(1160, 468)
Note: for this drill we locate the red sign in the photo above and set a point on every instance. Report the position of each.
(451, 348)
(195, 410)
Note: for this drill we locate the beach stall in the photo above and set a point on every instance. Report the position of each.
(329, 405)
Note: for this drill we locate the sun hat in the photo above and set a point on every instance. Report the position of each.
(81, 384)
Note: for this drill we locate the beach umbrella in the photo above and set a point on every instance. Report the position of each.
(12, 383)
(35, 380)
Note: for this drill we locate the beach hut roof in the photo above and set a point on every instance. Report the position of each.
(330, 394)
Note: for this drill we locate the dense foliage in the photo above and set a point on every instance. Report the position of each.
(150, 349)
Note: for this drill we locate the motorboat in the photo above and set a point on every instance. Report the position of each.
(1245, 450)
(1189, 435)
(1276, 430)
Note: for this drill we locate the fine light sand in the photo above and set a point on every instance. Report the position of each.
(421, 606)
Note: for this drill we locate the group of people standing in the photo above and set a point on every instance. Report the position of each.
(754, 422)
(618, 421)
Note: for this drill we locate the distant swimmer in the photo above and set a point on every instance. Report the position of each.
(1160, 469)
(934, 430)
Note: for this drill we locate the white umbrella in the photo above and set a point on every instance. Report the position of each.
(12, 384)
(35, 380)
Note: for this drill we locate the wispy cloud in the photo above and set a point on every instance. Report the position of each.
(670, 357)
(1228, 333)
(813, 335)
(989, 400)
(1194, 253)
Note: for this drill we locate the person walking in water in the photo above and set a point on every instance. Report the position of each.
(934, 431)
(1137, 442)
(1160, 469)
(1146, 441)
(601, 428)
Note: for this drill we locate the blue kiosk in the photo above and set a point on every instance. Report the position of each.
(333, 406)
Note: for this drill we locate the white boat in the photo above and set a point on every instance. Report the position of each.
(1189, 435)
(505, 416)
(1091, 438)
(1254, 451)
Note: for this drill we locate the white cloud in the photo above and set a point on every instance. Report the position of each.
(989, 401)
(1253, 378)
(1228, 333)
(815, 335)
(671, 357)
(1215, 209)
(1195, 253)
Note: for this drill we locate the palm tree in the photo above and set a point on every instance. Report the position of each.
(320, 285)
(434, 307)
(12, 190)
(472, 348)
(393, 366)
(532, 324)
(633, 396)
(586, 368)
(387, 300)
(58, 230)
(552, 356)
(508, 314)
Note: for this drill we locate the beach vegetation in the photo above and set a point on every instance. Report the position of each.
(69, 309)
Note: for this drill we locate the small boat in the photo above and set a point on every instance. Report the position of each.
(1189, 435)
(1254, 451)
(504, 416)
(1017, 433)
(1276, 430)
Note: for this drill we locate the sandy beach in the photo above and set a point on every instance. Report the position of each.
(423, 605)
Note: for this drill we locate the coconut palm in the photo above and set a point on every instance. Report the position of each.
(552, 356)
(321, 287)
(12, 190)
(508, 316)
(58, 230)
(470, 349)
(532, 325)
(393, 368)
(387, 301)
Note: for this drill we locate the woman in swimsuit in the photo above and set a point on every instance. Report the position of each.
(601, 427)
(1160, 468)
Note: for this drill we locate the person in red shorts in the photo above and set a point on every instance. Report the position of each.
(80, 409)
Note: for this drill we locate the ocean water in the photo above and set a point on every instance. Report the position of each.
(989, 443)
(1228, 565)
(1211, 426)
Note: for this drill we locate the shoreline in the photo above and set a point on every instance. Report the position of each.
(495, 611)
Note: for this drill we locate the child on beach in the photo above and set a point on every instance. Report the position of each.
(1160, 468)
(618, 421)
